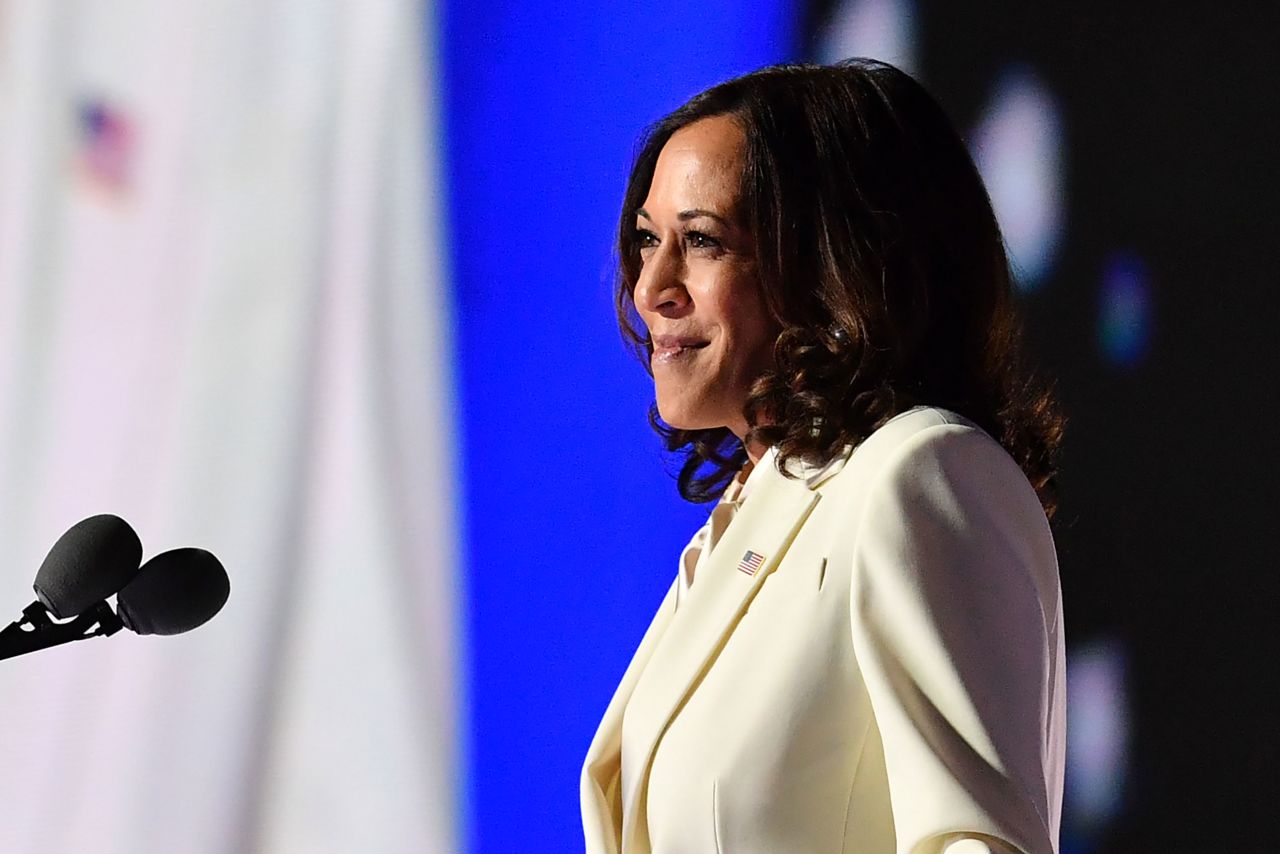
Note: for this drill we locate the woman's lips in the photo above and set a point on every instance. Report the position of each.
(671, 348)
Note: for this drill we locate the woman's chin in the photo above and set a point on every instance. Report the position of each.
(683, 418)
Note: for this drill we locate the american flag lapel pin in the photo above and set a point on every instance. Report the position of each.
(751, 561)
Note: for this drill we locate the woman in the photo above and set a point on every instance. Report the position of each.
(862, 650)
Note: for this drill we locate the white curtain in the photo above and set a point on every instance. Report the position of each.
(223, 316)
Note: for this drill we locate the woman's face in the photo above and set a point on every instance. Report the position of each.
(698, 292)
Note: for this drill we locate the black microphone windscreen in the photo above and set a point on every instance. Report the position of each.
(174, 592)
(90, 562)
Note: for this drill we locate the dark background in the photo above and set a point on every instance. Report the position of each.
(1165, 533)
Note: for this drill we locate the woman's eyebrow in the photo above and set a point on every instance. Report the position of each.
(698, 212)
(685, 216)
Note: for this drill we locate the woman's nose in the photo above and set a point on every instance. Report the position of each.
(660, 288)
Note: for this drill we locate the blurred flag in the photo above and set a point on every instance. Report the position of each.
(106, 146)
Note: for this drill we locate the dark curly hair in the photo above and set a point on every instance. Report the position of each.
(881, 261)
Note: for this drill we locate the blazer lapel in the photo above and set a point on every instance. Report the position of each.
(764, 526)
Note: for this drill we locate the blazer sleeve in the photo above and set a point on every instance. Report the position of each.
(954, 603)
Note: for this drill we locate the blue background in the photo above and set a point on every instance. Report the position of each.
(573, 523)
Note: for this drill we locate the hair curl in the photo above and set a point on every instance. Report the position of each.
(881, 261)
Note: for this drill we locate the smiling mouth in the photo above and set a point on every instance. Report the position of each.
(676, 352)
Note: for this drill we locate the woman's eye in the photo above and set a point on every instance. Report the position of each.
(699, 240)
(646, 239)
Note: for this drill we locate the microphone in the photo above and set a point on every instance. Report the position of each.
(173, 592)
(90, 562)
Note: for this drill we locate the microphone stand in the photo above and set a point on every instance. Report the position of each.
(38, 630)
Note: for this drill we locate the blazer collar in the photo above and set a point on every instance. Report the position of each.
(770, 517)
(815, 476)
(811, 475)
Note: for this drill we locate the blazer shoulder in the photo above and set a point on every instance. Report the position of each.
(917, 427)
(931, 445)
(937, 473)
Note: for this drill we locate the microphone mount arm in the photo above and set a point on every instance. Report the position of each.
(38, 630)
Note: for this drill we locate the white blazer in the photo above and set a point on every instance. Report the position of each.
(889, 679)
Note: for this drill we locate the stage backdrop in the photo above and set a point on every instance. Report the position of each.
(223, 317)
